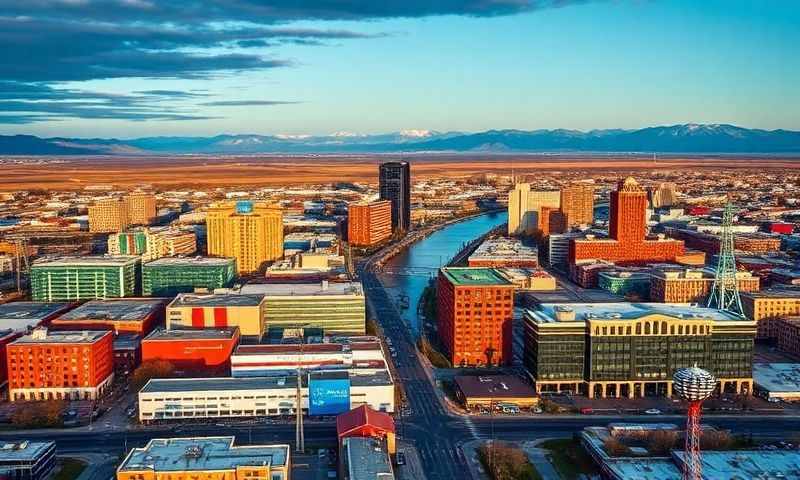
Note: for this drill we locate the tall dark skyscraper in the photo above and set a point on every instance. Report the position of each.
(395, 185)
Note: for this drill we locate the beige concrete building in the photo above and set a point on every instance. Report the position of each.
(141, 208)
(108, 215)
(525, 207)
(252, 233)
(767, 307)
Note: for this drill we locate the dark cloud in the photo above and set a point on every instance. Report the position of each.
(172, 94)
(246, 103)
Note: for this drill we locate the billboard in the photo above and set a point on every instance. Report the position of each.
(328, 396)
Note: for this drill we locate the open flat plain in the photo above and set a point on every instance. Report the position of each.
(67, 173)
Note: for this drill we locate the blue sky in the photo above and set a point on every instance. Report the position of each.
(133, 68)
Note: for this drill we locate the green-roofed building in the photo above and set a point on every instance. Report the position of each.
(167, 277)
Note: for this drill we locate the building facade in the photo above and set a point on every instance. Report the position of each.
(48, 365)
(369, 223)
(85, 278)
(504, 252)
(787, 335)
(525, 205)
(205, 458)
(627, 242)
(27, 460)
(394, 184)
(692, 286)
(167, 277)
(766, 307)
(577, 204)
(207, 352)
(625, 284)
(218, 311)
(632, 350)
(141, 207)
(108, 215)
(475, 311)
(252, 233)
(128, 315)
(153, 243)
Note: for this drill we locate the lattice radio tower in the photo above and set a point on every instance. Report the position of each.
(725, 291)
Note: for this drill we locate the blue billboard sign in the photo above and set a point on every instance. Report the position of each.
(328, 396)
(244, 206)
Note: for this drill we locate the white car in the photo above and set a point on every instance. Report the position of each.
(653, 411)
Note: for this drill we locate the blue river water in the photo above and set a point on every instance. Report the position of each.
(408, 273)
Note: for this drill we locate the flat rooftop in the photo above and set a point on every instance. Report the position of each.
(115, 310)
(496, 386)
(23, 450)
(367, 459)
(504, 249)
(546, 313)
(466, 276)
(190, 262)
(300, 289)
(748, 464)
(162, 334)
(22, 315)
(55, 336)
(777, 377)
(202, 454)
(216, 300)
(87, 261)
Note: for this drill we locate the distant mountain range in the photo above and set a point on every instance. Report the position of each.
(689, 138)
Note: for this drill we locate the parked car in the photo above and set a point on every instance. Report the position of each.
(401, 458)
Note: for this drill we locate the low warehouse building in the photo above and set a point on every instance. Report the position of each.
(491, 391)
(205, 352)
(777, 381)
(128, 315)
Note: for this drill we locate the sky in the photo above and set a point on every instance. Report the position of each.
(132, 68)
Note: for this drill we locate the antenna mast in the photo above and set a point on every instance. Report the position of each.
(725, 291)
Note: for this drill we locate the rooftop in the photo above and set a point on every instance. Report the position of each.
(202, 453)
(191, 334)
(496, 386)
(213, 300)
(367, 459)
(42, 335)
(300, 289)
(466, 276)
(506, 249)
(746, 464)
(87, 261)
(117, 310)
(777, 377)
(21, 315)
(23, 450)
(548, 312)
(190, 262)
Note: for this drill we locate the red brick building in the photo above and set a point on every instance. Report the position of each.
(125, 315)
(475, 310)
(787, 335)
(49, 365)
(197, 352)
(628, 242)
(369, 223)
(6, 337)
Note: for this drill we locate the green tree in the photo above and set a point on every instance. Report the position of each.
(151, 369)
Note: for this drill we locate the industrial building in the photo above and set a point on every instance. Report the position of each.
(85, 278)
(127, 315)
(252, 233)
(189, 310)
(692, 286)
(504, 252)
(334, 353)
(49, 365)
(23, 317)
(633, 349)
(493, 391)
(369, 223)
(152, 243)
(326, 307)
(27, 459)
(167, 277)
(394, 184)
(777, 381)
(475, 309)
(329, 393)
(627, 230)
(767, 306)
(193, 351)
(205, 458)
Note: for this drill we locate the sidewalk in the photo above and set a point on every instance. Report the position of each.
(538, 457)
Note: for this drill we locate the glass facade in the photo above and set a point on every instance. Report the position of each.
(168, 280)
(79, 282)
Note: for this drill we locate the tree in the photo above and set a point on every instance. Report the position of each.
(504, 461)
(716, 440)
(549, 406)
(661, 442)
(151, 369)
(39, 414)
(615, 448)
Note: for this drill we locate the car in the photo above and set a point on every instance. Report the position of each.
(586, 411)
(653, 411)
(401, 458)
(537, 410)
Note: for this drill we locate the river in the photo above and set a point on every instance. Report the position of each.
(409, 272)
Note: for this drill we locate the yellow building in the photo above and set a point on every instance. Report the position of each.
(189, 310)
(252, 233)
(525, 207)
(108, 215)
(141, 208)
(205, 458)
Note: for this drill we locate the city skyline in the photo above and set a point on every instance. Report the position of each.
(127, 69)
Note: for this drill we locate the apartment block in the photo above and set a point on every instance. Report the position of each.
(767, 306)
(692, 286)
(251, 233)
(85, 278)
(108, 215)
(369, 223)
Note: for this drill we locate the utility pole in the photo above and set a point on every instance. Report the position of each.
(299, 433)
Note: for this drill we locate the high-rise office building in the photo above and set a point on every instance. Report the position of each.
(394, 180)
(141, 208)
(108, 215)
(577, 204)
(85, 278)
(525, 208)
(369, 223)
(665, 195)
(252, 233)
(628, 242)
